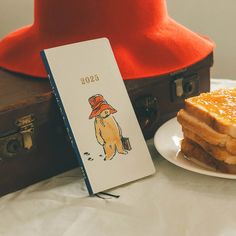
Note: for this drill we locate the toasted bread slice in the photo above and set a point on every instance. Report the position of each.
(216, 109)
(217, 152)
(206, 132)
(194, 151)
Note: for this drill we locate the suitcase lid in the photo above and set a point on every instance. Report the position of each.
(21, 96)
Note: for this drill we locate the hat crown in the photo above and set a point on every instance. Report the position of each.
(146, 42)
(101, 17)
(96, 100)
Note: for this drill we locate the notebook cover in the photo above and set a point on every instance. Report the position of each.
(98, 114)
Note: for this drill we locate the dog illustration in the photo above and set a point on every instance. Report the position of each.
(107, 130)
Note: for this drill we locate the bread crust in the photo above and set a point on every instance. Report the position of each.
(206, 132)
(217, 152)
(193, 150)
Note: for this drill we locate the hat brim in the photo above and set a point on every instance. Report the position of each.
(171, 48)
(100, 109)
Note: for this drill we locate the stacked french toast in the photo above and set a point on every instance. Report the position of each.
(209, 127)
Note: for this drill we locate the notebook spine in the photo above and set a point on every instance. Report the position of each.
(66, 121)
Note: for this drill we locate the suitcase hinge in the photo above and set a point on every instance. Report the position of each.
(26, 126)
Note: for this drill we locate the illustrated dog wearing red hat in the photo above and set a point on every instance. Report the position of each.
(107, 130)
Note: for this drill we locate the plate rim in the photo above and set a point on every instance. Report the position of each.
(181, 165)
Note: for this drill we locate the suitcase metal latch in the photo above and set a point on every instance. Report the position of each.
(26, 127)
(184, 87)
(20, 141)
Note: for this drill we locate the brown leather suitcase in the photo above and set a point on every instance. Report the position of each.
(33, 141)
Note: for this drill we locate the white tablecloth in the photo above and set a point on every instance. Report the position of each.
(172, 202)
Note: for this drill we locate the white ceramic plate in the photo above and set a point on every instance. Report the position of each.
(167, 142)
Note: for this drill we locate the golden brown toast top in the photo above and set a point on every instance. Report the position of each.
(220, 103)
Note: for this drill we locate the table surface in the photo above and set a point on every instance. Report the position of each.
(174, 201)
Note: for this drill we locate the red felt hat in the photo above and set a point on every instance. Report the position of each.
(99, 104)
(145, 40)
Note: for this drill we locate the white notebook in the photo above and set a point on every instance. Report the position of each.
(98, 114)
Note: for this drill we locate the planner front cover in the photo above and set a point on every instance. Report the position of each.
(98, 114)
